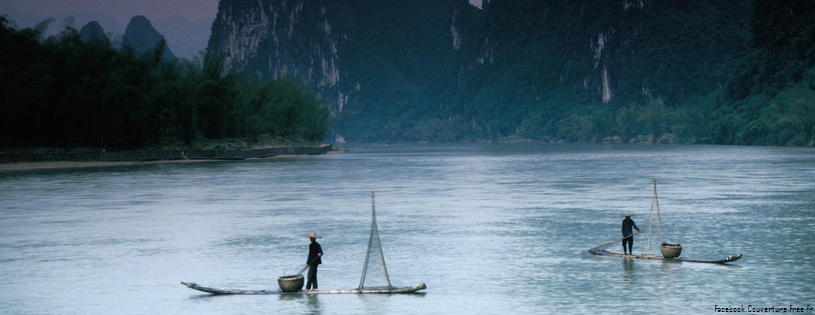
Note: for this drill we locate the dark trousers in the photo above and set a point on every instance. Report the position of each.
(630, 242)
(312, 277)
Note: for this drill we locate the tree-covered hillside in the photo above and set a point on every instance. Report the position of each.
(706, 71)
(542, 70)
(60, 91)
(591, 70)
(382, 66)
(770, 99)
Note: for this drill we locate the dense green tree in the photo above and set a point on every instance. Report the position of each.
(654, 117)
(281, 108)
(61, 91)
(768, 101)
(627, 120)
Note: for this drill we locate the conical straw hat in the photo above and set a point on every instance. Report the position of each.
(313, 235)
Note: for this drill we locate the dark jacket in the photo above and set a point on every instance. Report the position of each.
(627, 225)
(313, 249)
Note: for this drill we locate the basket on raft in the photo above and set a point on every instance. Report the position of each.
(291, 283)
(670, 250)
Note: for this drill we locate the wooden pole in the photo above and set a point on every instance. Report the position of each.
(646, 246)
(659, 217)
(615, 241)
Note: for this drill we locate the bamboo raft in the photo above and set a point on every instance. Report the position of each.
(603, 252)
(670, 252)
(293, 284)
(223, 291)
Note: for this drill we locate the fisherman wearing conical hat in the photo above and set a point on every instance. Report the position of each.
(627, 231)
(315, 251)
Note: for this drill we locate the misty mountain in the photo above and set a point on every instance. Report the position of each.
(370, 60)
(186, 38)
(142, 37)
(563, 70)
(93, 32)
(548, 70)
(75, 18)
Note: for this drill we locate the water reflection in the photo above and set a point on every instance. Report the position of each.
(628, 269)
(670, 269)
(313, 304)
(479, 223)
(376, 303)
(291, 297)
(203, 297)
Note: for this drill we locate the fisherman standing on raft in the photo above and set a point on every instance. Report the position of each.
(628, 237)
(315, 251)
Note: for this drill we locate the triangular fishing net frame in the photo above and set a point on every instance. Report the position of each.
(374, 256)
(646, 246)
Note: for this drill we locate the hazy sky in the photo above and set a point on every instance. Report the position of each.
(184, 39)
(121, 10)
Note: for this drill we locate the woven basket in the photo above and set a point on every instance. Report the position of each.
(670, 250)
(292, 283)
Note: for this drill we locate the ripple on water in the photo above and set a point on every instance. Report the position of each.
(490, 229)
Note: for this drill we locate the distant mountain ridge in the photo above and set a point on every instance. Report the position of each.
(93, 32)
(186, 38)
(139, 35)
(143, 38)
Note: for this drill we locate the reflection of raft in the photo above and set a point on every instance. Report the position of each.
(670, 252)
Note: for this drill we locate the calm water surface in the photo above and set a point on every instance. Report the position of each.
(490, 228)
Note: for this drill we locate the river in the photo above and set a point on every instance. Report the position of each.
(490, 228)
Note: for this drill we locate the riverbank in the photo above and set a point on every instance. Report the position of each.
(37, 159)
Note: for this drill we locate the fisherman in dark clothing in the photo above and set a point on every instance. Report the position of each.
(627, 231)
(315, 251)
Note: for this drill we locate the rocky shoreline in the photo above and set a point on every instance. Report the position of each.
(26, 160)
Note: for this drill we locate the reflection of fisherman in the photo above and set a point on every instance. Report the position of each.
(315, 251)
(627, 225)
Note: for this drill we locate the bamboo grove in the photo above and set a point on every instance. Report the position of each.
(58, 91)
